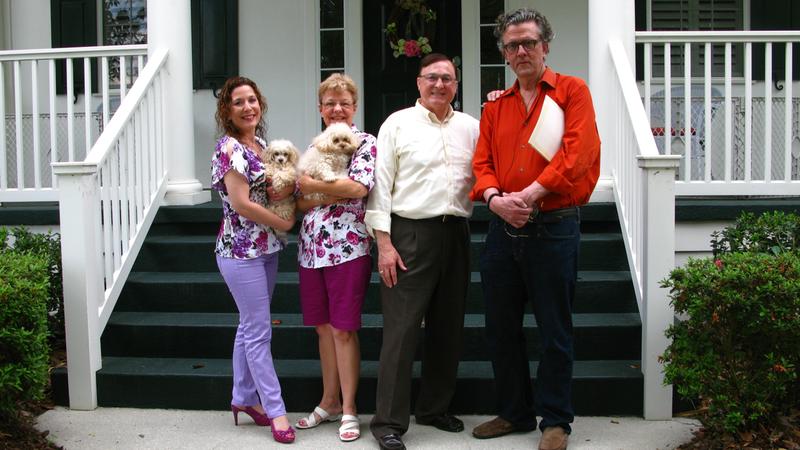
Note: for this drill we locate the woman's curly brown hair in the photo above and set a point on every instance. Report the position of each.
(223, 115)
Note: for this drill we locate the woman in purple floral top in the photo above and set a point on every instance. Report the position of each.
(247, 252)
(335, 264)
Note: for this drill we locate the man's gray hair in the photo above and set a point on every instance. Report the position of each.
(519, 16)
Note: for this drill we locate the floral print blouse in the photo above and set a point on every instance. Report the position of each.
(238, 237)
(333, 234)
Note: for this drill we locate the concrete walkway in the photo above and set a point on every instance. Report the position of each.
(122, 428)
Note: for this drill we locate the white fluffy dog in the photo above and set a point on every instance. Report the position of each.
(328, 158)
(280, 161)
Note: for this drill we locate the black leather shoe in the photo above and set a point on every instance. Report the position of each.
(391, 442)
(445, 422)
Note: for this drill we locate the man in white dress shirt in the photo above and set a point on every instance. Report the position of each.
(418, 212)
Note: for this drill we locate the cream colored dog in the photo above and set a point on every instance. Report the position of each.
(328, 158)
(280, 161)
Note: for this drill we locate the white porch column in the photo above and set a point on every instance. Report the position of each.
(607, 19)
(169, 25)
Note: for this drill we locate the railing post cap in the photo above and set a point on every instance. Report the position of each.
(659, 161)
(74, 168)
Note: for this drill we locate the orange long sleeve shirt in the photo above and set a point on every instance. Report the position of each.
(505, 160)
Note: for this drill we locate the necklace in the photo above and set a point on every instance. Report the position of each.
(530, 101)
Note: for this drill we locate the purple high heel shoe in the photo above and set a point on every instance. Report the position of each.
(259, 418)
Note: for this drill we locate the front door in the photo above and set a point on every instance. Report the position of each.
(389, 81)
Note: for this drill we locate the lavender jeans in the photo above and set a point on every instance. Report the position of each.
(251, 282)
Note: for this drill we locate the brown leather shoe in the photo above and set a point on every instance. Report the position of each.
(553, 438)
(495, 428)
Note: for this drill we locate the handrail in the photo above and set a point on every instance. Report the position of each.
(73, 52)
(107, 204)
(716, 36)
(126, 109)
(644, 192)
(633, 102)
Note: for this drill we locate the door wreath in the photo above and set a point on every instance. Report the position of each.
(418, 23)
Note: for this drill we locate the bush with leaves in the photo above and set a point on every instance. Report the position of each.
(24, 354)
(738, 348)
(48, 246)
(773, 232)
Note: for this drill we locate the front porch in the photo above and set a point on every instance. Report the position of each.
(675, 132)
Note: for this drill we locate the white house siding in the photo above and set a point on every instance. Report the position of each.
(569, 51)
(693, 239)
(277, 49)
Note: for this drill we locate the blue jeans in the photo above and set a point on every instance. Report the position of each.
(537, 263)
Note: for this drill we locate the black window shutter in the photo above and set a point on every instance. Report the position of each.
(776, 15)
(74, 24)
(215, 42)
(640, 8)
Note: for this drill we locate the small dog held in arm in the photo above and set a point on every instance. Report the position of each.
(280, 161)
(328, 158)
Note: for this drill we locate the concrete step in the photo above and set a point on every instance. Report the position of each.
(599, 387)
(182, 253)
(597, 291)
(211, 335)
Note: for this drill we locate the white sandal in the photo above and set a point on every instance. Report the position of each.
(311, 421)
(350, 425)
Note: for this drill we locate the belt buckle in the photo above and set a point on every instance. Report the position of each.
(444, 218)
(534, 214)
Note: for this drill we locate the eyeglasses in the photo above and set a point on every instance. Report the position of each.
(332, 104)
(432, 78)
(513, 47)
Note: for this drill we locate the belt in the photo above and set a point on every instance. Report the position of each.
(554, 215)
(447, 218)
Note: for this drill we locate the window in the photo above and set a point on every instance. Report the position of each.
(697, 15)
(493, 72)
(331, 37)
(124, 22)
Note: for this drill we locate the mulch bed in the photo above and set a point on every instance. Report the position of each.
(18, 432)
(786, 435)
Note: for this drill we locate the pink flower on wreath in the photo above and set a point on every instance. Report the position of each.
(412, 48)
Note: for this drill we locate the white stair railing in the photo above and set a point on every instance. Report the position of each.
(107, 203)
(644, 191)
(39, 126)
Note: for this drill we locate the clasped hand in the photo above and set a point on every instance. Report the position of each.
(513, 208)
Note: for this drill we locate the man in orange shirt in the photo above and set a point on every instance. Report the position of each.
(531, 252)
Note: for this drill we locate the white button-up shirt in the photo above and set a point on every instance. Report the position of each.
(423, 168)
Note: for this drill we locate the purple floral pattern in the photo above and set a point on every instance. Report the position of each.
(334, 234)
(238, 237)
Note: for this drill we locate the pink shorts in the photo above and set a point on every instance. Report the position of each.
(335, 294)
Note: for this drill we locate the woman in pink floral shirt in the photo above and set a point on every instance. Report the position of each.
(335, 264)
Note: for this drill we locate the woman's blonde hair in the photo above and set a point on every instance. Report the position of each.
(338, 82)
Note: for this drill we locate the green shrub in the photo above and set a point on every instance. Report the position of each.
(739, 347)
(24, 354)
(47, 246)
(773, 232)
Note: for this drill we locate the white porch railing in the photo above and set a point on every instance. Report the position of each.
(107, 203)
(644, 183)
(40, 127)
(736, 132)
